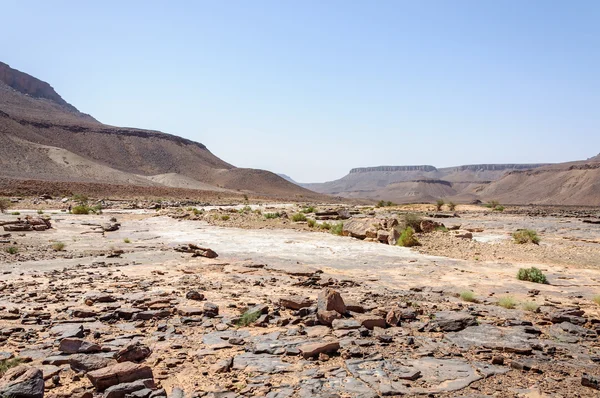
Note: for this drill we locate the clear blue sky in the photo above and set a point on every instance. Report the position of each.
(314, 88)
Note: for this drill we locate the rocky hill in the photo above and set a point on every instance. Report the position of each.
(422, 183)
(42, 137)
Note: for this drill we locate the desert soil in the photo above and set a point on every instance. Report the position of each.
(138, 295)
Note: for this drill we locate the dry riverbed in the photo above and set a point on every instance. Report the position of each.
(291, 310)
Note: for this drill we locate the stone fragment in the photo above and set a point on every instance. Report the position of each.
(211, 310)
(194, 295)
(590, 381)
(123, 389)
(295, 302)
(22, 382)
(87, 363)
(314, 349)
(450, 321)
(134, 352)
(77, 346)
(123, 372)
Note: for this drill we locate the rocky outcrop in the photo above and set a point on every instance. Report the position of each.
(392, 168)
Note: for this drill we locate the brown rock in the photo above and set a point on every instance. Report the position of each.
(124, 372)
(22, 382)
(295, 302)
(314, 349)
(77, 346)
(135, 352)
(331, 300)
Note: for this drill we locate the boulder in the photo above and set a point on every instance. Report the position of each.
(77, 346)
(428, 226)
(87, 363)
(123, 372)
(361, 228)
(211, 310)
(330, 306)
(450, 321)
(22, 382)
(134, 352)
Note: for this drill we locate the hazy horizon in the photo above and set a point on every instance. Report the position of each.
(314, 89)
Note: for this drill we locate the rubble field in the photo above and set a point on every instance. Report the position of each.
(182, 300)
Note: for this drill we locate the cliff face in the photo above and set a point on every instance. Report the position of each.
(30, 85)
(497, 167)
(425, 168)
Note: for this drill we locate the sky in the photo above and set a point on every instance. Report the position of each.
(312, 89)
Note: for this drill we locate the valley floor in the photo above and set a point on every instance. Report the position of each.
(264, 318)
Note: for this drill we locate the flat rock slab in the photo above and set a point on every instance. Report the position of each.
(124, 372)
(492, 337)
(260, 363)
(217, 339)
(450, 321)
(389, 377)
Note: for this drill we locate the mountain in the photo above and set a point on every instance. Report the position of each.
(43, 137)
(423, 183)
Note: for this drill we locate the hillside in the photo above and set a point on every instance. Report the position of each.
(43, 137)
(423, 183)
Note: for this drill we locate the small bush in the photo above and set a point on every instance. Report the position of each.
(499, 208)
(197, 212)
(439, 204)
(58, 246)
(413, 221)
(224, 217)
(492, 204)
(79, 198)
(337, 229)
(6, 364)
(126, 240)
(248, 318)
(441, 228)
(325, 225)
(468, 295)
(507, 302)
(526, 236)
(269, 216)
(311, 223)
(298, 217)
(4, 204)
(383, 203)
(15, 213)
(530, 306)
(81, 209)
(12, 250)
(40, 212)
(407, 238)
(451, 206)
(309, 209)
(531, 275)
(245, 197)
(245, 209)
(596, 299)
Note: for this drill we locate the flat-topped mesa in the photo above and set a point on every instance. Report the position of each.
(497, 167)
(392, 168)
(30, 85)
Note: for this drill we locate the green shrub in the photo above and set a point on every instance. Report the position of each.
(526, 236)
(499, 208)
(492, 204)
(127, 240)
(298, 217)
(530, 306)
(15, 213)
(309, 209)
(596, 299)
(311, 223)
(81, 209)
(248, 318)
(413, 221)
(58, 246)
(272, 215)
(531, 275)
(40, 211)
(439, 204)
(197, 212)
(6, 364)
(4, 204)
(451, 206)
(80, 198)
(468, 295)
(337, 229)
(407, 238)
(245, 197)
(224, 217)
(441, 228)
(381, 203)
(325, 225)
(245, 209)
(12, 250)
(507, 302)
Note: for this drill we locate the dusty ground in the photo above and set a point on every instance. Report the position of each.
(261, 261)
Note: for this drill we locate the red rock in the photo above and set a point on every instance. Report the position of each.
(123, 372)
